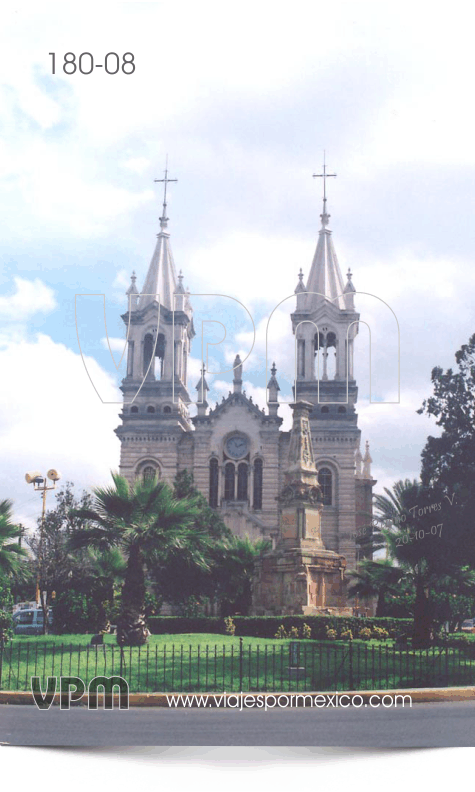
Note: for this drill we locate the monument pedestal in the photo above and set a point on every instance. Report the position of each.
(300, 577)
(294, 581)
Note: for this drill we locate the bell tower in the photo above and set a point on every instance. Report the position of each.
(325, 325)
(159, 326)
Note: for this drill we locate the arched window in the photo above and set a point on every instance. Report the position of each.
(325, 409)
(325, 481)
(185, 361)
(167, 410)
(319, 341)
(229, 482)
(331, 356)
(150, 409)
(134, 409)
(130, 359)
(257, 493)
(160, 346)
(342, 409)
(213, 483)
(148, 354)
(151, 350)
(242, 481)
(149, 473)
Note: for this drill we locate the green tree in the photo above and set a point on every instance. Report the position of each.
(234, 568)
(61, 570)
(87, 602)
(448, 461)
(149, 525)
(454, 598)
(181, 578)
(207, 519)
(375, 579)
(410, 510)
(11, 553)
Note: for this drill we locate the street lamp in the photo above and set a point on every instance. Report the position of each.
(40, 484)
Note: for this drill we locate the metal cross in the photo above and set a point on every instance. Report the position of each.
(165, 181)
(324, 176)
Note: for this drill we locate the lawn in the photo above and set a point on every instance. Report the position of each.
(210, 662)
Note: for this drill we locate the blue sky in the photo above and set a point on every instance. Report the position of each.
(244, 100)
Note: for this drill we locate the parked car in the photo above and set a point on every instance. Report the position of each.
(29, 621)
(468, 626)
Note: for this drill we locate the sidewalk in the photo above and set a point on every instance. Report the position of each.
(418, 695)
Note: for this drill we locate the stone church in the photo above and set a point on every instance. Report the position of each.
(238, 452)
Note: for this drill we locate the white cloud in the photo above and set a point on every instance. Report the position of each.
(114, 344)
(250, 266)
(30, 297)
(121, 282)
(136, 165)
(55, 418)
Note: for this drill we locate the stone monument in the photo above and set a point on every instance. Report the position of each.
(300, 576)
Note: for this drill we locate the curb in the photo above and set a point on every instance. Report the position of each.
(418, 695)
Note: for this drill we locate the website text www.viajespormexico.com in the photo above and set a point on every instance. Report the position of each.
(241, 701)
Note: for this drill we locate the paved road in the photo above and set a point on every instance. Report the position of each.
(425, 725)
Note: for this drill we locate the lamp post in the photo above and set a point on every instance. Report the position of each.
(40, 484)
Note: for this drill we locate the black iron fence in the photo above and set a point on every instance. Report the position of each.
(241, 666)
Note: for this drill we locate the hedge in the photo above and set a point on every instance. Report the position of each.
(160, 625)
(267, 626)
(456, 640)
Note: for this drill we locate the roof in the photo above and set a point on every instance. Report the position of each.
(161, 281)
(325, 275)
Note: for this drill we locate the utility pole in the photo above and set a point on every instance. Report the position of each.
(40, 484)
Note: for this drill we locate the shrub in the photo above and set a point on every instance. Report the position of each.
(455, 640)
(331, 635)
(293, 632)
(6, 625)
(160, 625)
(380, 633)
(306, 631)
(267, 626)
(74, 612)
(191, 607)
(229, 626)
(365, 634)
(346, 635)
(281, 632)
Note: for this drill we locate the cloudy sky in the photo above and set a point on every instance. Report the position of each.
(244, 98)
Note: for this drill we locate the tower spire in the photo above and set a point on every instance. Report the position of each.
(132, 292)
(202, 387)
(325, 276)
(324, 216)
(165, 181)
(161, 281)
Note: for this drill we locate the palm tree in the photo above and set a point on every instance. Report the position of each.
(375, 579)
(422, 561)
(235, 562)
(11, 553)
(148, 524)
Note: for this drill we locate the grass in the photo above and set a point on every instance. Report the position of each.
(210, 662)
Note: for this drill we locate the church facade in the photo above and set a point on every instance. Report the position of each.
(237, 452)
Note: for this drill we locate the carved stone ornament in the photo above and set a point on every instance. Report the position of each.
(298, 491)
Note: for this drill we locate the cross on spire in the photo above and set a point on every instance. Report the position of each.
(324, 176)
(165, 182)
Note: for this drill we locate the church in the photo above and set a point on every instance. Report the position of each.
(237, 452)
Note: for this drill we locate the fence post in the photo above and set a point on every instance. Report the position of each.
(2, 645)
(351, 666)
(240, 663)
